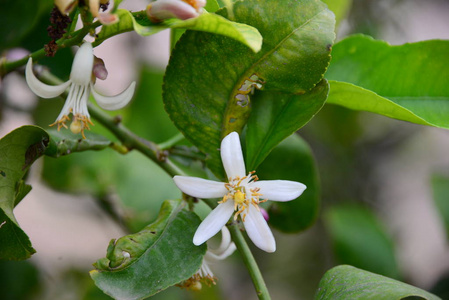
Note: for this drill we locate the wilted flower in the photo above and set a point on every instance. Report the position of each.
(66, 6)
(81, 85)
(180, 9)
(204, 274)
(241, 196)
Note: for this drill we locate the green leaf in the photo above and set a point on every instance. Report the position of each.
(162, 254)
(440, 186)
(359, 239)
(346, 282)
(212, 6)
(405, 82)
(276, 116)
(301, 213)
(205, 73)
(18, 150)
(358, 98)
(206, 22)
(213, 23)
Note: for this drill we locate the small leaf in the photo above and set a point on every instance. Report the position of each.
(18, 150)
(162, 254)
(405, 82)
(206, 22)
(346, 282)
(213, 23)
(292, 160)
(209, 77)
(359, 239)
(276, 116)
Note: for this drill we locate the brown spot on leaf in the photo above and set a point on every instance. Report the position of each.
(34, 152)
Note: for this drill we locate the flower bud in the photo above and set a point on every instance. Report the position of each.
(180, 9)
(65, 6)
(99, 69)
(264, 214)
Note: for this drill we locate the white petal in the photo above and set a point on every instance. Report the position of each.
(82, 65)
(258, 230)
(199, 187)
(279, 190)
(213, 222)
(232, 156)
(212, 256)
(41, 89)
(225, 241)
(114, 102)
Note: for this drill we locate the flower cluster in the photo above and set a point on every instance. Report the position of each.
(106, 18)
(240, 196)
(80, 86)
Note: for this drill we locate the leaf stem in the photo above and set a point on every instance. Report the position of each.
(171, 142)
(250, 262)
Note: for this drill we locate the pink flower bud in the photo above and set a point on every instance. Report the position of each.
(99, 69)
(180, 9)
(264, 214)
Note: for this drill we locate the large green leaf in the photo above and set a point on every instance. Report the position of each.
(359, 239)
(18, 150)
(346, 282)
(209, 75)
(406, 82)
(162, 254)
(206, 22)
(292, 160)
(276, 116)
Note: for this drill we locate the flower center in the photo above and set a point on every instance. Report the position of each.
(242, 194)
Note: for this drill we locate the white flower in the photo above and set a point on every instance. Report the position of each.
(204, 274)
(81, 86)
(181, 9)
(240, 195)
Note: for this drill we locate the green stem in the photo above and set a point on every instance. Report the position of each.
(132, 141)
(250, 262)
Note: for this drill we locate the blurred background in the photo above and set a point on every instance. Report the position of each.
(384, 183)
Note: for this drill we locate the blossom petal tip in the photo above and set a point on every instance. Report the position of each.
(232, 155)
(114, 102)
(38, 87)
